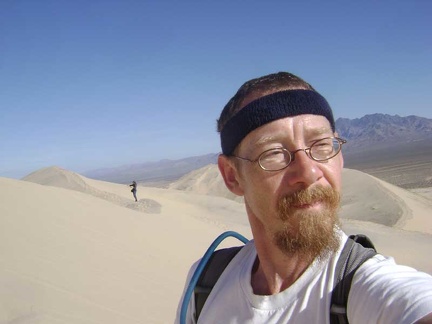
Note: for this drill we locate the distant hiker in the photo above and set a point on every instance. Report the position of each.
(281, 152)
(134, 189)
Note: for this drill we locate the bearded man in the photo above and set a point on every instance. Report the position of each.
(280, 151)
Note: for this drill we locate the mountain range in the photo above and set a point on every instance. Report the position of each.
(386, 146)
(377, 129)
(159, 173)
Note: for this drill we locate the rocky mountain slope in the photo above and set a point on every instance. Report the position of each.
(379, 129)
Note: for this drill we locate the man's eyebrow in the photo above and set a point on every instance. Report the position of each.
(319, 131)
(312, 132)
(265, 140)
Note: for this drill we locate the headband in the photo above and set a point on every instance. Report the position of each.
(266, 109)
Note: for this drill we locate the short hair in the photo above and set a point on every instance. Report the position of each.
(264, 85)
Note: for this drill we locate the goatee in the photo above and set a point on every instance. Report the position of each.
(307, 232)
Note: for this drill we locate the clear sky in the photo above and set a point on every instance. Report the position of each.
(95, 84)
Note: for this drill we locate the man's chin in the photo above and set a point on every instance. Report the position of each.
(310, 234)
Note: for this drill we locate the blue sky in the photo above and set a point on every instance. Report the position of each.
(95, 84)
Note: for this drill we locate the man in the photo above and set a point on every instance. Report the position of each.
(281, 153)
(134, 189)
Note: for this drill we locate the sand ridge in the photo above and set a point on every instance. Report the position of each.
(61, 178)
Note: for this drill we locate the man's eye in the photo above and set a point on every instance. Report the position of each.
(274, 155)
(323, 146)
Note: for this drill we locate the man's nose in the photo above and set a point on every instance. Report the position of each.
(303, 169)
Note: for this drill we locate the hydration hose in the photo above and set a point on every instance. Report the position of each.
(200, 268)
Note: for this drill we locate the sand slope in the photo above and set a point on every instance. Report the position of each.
(206, 181)
(77, 250)
(70, 257)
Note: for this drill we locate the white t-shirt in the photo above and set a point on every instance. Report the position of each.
(381, 292)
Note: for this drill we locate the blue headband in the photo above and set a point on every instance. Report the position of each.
(266, 109)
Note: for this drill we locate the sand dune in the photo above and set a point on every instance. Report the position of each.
(77, 250)
(61, 178)
(206, 181)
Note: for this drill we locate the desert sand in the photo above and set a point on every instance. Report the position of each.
(77, 250)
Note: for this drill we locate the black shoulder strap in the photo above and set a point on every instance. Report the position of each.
(356, 251)
(211, 273)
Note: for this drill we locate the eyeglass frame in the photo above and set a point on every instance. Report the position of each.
(291, 154)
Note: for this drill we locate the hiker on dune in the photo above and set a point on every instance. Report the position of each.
(134, 189)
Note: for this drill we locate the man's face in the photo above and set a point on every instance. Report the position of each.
(296, 207)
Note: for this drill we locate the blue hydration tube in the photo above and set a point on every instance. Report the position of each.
(200, 268)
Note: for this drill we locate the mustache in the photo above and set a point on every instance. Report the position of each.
(309, 196)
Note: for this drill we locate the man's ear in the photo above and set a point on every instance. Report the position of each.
(230, 175)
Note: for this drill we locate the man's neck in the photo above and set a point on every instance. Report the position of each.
(275, 271)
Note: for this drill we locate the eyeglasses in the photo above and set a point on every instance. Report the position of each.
(279, 158)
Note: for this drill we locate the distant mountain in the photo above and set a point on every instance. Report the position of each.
(159, 173)
(378, 129)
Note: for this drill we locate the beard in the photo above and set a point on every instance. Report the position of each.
(309, 233)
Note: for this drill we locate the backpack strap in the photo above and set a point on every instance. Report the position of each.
(211, 273)
(358, 248)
